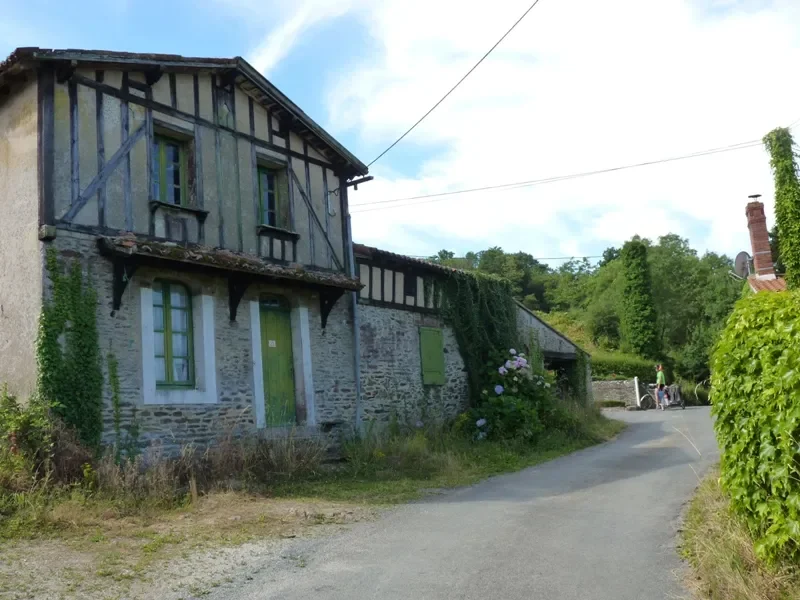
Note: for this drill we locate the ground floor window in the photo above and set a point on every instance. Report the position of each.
(172, 327)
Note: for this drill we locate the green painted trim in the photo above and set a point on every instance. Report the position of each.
(166, 304)
(161, 142)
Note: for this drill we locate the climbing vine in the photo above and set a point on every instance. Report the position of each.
(638, 310)
(783, 161)
(576, 378)
(482, 313)
(67, 352)
(128, 445)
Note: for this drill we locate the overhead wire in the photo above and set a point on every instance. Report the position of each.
(533, 182)
(452, 89)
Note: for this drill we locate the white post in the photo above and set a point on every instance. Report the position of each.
(636, 391)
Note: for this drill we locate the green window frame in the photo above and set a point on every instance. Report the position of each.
(170, 170)
(172, 331)
(431, 350)
(273, 206)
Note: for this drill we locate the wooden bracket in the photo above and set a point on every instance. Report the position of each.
(124, 269)
(327, 299)
(237, 286)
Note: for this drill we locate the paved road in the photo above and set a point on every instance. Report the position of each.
(595, 525)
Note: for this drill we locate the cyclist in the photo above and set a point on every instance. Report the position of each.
(661, 384)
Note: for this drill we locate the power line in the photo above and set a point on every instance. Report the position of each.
(452, 89)
(522, 184)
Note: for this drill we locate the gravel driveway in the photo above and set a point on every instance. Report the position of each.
(598, 524)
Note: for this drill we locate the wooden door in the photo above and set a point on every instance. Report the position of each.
(278, 363)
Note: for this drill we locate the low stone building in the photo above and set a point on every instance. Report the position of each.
(209, 215)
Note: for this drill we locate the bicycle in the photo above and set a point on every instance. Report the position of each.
(650, 399)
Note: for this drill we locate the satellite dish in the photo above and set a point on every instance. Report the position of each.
(741, 266)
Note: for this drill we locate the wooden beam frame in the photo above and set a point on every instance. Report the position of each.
(313, 214)
(124, 95)
(46, 144)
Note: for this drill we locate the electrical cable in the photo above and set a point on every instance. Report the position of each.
(452, 89)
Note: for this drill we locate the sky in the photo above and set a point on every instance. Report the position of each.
(579, 85)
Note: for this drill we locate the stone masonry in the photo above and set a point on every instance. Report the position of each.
(391, 369)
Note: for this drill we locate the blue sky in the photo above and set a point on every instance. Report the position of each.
(579, 86)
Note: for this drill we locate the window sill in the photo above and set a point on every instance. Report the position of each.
(179, 396)
(278, 232)
(198, 212)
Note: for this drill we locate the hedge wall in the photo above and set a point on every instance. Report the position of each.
(755, 377)
(615, 365)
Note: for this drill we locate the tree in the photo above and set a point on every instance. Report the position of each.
(609, 254)
(638, 317)
(774, 245)
(780, 146)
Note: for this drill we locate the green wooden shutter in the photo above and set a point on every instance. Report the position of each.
(431, 349)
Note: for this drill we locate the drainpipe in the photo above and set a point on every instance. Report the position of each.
(356, 326)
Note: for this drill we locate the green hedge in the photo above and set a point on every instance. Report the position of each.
(755, 378)
(616, 365)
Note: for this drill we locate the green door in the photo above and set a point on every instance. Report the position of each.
(276, 350)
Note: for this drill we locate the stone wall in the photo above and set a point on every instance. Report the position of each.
(20, 254)
(391, 368)
(616, 391)
(173, 424)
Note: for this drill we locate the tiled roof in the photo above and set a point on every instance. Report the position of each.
(370, 252)
(767, 285)
(223, 260)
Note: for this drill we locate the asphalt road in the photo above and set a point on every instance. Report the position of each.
(598, 524)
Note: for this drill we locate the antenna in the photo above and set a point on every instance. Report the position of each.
(741, 265)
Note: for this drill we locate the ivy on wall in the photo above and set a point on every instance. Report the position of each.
(481, 310)
(783, 161)
(70, 377)
(577, 378)
(638, 310)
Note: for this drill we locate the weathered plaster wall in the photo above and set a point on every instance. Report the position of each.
(225, 169)
(20, 254)
(391, 368)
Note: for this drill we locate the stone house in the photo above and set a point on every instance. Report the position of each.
(409, 359)
(210, 215)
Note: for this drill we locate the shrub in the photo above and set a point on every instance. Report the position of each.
(756, 402)
(616, 365)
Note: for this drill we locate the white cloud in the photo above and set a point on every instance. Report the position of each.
(578, 86)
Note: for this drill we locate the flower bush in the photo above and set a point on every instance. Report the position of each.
(515, 404)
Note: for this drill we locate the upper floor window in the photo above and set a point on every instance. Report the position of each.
(272, 197)
(170, 170)
(172, 326)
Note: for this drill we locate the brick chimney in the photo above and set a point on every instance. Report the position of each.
(759, 240)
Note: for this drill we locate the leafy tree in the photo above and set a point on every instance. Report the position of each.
(609, 254)
(638, 316)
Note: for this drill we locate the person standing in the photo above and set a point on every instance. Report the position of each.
(661, 384)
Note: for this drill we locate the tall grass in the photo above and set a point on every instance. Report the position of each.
(719, 546)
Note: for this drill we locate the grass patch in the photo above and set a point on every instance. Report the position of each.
(719, 547)
(611, 404)
(134, 529)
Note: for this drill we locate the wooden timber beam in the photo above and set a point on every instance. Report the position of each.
(313, 213)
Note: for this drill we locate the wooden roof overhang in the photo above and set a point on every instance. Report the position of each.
(229, 71)
(127, 253)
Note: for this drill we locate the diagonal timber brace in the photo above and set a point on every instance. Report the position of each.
(299, 188)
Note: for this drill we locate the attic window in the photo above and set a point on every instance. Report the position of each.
(410, 285)
(225, 108)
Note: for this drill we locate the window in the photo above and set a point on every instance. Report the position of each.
(272, 200)
(410, 285)
(172, 326)
(170, 170)
(431, 349)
